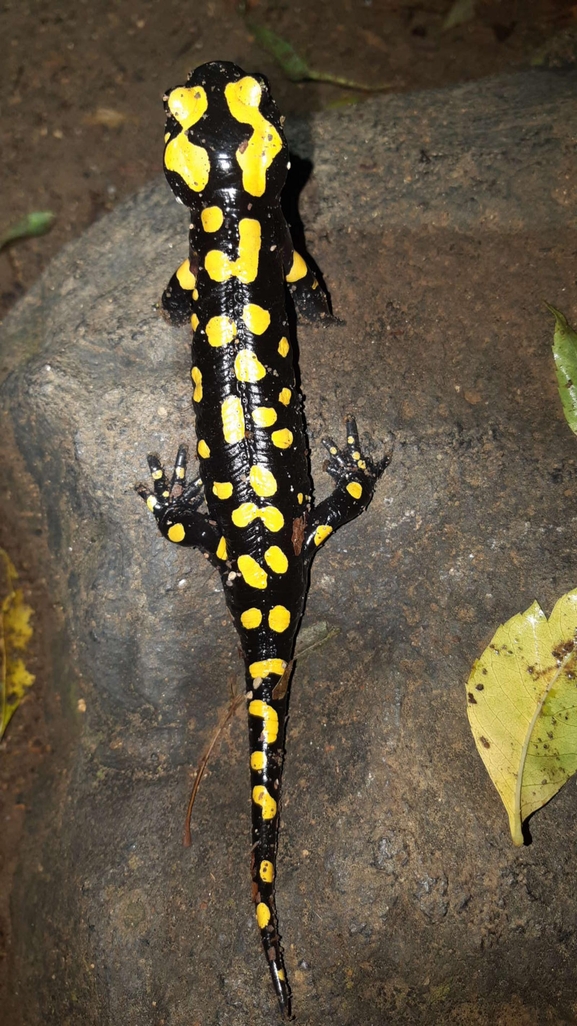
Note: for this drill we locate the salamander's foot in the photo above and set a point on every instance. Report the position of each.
(178, 494)
(175, 505)
(355, 476)
(350, 464)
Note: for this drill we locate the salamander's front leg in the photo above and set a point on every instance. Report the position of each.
(310, 300)
(175, 506)
(356, 476)
(180, 293)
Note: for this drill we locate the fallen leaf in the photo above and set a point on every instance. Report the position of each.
(460, 12)
(36, 223)
(372, 39)
(15, 633)
(296, 68)
(472, 397)
(565, 356)
(314, 636)
(108, 117)
(522, 707)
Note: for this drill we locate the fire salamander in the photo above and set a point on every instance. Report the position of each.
(226, 158)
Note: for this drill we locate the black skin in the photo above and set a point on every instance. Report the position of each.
(281, 536)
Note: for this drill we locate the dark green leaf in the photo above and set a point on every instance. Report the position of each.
(295, 68)
(565, 356)
(36, 223)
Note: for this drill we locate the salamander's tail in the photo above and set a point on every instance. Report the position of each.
(266, 733)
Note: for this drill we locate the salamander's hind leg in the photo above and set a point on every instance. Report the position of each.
(356, 476)
(175, 506)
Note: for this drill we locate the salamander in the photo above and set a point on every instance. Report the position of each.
(226, 159)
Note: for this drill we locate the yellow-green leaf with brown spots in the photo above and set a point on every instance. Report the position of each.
(522, 706)
(565, 356)
(15, 633)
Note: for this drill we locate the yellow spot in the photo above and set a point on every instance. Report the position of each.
(361, 465)
(221, 550)
(244, 515)
(253, 574)
(321, 533)
(260, 796)
(356, 455)
(266, 871)
(350, 439)
(262, 481)
(251, 618)
(268, 715)
(264, 416)
(203, 450)
(176, 533)
(262, 910)
(263, 668)
(197, 378)
(283, 346)
(194, 321)
(248, 367)
(152, 503)
(179, 473)
(355, 489)
(256, 318)
(185, 277)
(258, 761)
(276, 559)
(282, 439)
(220, 267)
(222, 489)
(156, 475)
(298, 269)
(188, 161)
(279, 619)
(220, 330)
(195, 294)
(272, 518)
(285, 396)
(243, 98)
(232, 420)
(187, 105)
(300, 498)
(212, 218)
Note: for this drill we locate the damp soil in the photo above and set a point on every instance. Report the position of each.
(81, 131)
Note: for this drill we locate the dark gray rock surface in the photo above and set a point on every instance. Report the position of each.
(440, 221)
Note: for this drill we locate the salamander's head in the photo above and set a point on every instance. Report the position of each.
(224, 131)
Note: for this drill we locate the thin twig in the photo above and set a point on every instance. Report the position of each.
(236, 701)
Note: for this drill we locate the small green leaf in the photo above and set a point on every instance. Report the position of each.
(295, 68)
(565, 356)
(461, 12)
(37, 223)
(522, 707)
